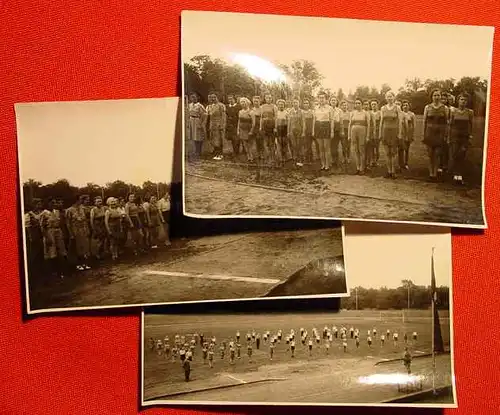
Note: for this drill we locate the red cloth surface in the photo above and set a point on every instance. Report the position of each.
(97, 49)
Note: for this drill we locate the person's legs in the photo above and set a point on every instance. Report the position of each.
(407, 153)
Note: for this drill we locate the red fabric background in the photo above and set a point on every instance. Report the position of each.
(96, 49)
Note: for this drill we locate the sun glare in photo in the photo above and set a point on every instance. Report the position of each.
(389, 379)
(259, 68)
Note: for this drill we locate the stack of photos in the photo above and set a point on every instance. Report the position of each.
(376, 350)
(220, 212)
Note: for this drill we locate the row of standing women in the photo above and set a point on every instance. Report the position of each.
(84, 231)
(271, 134)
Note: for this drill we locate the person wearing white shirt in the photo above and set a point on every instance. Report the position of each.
(164, 207)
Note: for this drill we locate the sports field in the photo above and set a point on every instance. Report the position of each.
(336, 377)
(232, 188)
(243, 265)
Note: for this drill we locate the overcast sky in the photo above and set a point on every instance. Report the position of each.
(347, 52)
(379, 255)
(97, 141)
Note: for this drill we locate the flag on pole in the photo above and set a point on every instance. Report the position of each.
(438, 345)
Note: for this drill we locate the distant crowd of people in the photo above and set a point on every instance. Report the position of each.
(82, 231)
(184, 348)
(273, 133)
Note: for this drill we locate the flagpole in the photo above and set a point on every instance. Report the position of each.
(433, 330)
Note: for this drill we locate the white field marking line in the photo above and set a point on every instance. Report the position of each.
(213, 277)
(236, 379)
(419, 351)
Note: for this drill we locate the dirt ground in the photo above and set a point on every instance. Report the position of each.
(243, 265)
(333, 377)
(231, 187)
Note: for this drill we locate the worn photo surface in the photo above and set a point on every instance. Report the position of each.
(389, 343)
(388, 123)
(102, 222)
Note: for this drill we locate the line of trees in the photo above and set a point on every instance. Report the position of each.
(396, 298)
(64, 190)
(204, 74)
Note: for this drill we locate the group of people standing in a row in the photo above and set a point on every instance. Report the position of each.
(269, 133)
(86, 231)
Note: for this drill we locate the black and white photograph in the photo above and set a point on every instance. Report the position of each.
(390, 343)
(302, 117)
(101, 223)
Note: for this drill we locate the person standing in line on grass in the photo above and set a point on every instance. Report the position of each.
(244, 129)
(395, 337)
(407, 358)
(335, 141)
(375, 132)
(257, 341)
(216, 124)
(390, 131)
(154, 219)
(79, 233)
(166, 349)
(271, 350)
(310, 346)
(368, 147)
(292, 348)
(211, 355)
(295, 133)
(460, 135)
(196, 124)
(307, 135)
(327, 346)
(323, 130)
(388, 334)
(436, 117)
(382, 340)
(34, 237)
(249, 352)
(175, 352)
(54, 250)
(408, 131)
(164, 208)
(159, 347)
(141, 211)
(186, 365)
(268, 128)
(283, 150)
(344, 119)
(374, 332)
(98, 227)
(134, 222)
(448, 101)
(415, 336)
(204, 352)
(238, 349)
(359, 134)
(233, 109)
(255, 135)
(369, 341)
(344, 345)
(231, 354)
(357, 342)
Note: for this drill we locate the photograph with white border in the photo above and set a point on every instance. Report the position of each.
(102, 225)
(390, 124)
(390, 343)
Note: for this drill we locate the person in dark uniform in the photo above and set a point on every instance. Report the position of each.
(232, 112)
(435, 131)
(407, 358)
(186, 365)
(461, 120)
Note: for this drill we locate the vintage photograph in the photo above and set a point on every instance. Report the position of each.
(389, 344)
(389, 124)
(102, 228)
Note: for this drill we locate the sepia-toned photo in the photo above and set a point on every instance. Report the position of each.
(335, 118)
(102, 221)
(389, 344)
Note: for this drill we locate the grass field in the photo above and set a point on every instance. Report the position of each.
(163, 377)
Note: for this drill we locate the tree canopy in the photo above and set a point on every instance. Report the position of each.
(204, 74)
(62, 189)
(396, 298)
